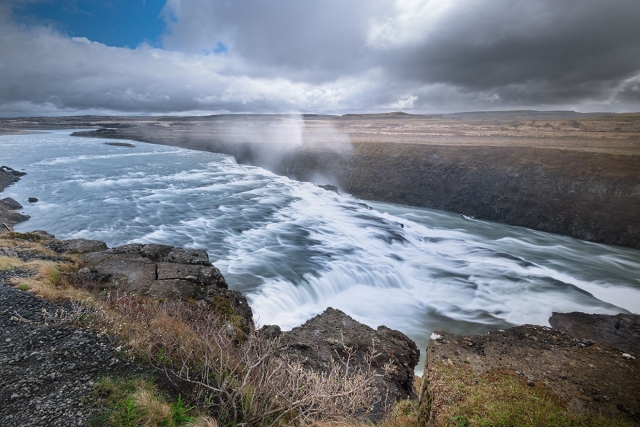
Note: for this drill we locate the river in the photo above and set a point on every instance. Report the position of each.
(294, 248)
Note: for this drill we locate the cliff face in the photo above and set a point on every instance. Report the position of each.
(590, 195)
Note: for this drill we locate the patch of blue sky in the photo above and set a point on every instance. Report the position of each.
(120, 23)
(220, 48)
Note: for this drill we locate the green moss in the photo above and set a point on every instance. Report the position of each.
(223, 308)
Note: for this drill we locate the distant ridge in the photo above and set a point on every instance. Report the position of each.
(391, 115)
(523, 114)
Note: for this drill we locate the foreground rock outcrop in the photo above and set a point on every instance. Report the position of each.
(334, 336)
(163, 271)
(587, 377)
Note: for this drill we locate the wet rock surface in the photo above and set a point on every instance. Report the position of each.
(332, 335)
(48, 368)
(591, 377)
(10, 203)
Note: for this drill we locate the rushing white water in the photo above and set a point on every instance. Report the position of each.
(295, 249)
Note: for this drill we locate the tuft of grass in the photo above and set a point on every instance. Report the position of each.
(9, 263)
(50, 282)
(25, 241)
(404, 414)
(30, 237)
(501, 399)
(202, 421)
(137, 402)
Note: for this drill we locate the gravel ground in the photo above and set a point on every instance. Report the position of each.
(47, 370)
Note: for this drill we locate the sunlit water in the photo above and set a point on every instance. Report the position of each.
(294, 249)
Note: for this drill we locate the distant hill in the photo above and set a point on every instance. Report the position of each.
(523, 115)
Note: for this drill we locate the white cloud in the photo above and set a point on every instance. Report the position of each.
(411, 22)
(336, 56)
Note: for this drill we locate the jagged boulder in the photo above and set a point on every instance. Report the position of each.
(83, 246)
(232, 306)
(10, 217)
(331, 336)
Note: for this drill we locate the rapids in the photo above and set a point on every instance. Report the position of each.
(294, 249)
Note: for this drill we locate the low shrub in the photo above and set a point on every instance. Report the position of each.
(250, 382)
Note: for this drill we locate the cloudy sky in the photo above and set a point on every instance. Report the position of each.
(317, 56)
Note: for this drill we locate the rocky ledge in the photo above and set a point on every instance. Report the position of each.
(8, 207)
(595, 370)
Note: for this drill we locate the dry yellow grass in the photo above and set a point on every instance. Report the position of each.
(25, 241)
(49, 281)
(202, 421)
(9, 263)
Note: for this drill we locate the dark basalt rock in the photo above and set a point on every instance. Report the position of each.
(155, 252)
(32, 199)
(11, 171)
(132, 248)
(621, 331)
(270, 331)
(232, 306)
(83, 246)
(188, 256)
(9, 203)
(332, 334)
(10, 217)
(161, 271)
(120, 144)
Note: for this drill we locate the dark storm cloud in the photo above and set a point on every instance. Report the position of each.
(309, 40)
(560, 51)
(543, 52)
(339, 56)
